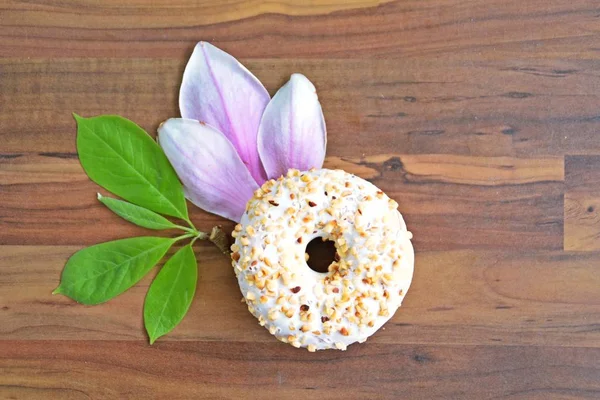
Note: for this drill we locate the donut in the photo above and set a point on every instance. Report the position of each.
(364, 285)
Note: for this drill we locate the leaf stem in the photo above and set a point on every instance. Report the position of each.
(191, 224)
(188, 230)
(199, 235)
(187, 235)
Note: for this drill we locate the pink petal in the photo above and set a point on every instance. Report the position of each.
(220, 91)
(214, 176)
(292, 132)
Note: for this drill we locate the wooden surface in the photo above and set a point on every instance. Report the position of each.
(480, 117)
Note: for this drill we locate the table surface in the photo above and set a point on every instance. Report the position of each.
(480, 117)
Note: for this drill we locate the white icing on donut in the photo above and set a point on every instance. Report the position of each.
(360, 292)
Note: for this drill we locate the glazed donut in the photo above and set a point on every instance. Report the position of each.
(367, 280)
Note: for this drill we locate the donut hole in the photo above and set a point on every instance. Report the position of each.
(320, 254)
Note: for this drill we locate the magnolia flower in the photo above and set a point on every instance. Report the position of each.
(232, 136)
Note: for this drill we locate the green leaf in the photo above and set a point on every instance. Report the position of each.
(121, 157)
(171, 293)
(98, 273)
(135, 214)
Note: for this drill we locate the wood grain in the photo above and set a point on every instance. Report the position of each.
(480, 117)
(582, 222)
(432, 28)
(482, 298)
(178, 13)
(457, 105)
(62, 369)
(582, 203)
(495, 202)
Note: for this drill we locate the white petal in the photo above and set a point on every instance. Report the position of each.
(214, 176)
(292, 132)
(220, 91)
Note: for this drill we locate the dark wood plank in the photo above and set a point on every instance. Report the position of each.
(457, 105)
(114, 369)
(457, 297)
(582, 221)
(582, 203)
(582, 174)
(458, 202)
(494, 202)
(287, 28)
(481, 117)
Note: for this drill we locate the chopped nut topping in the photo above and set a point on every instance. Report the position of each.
(360, 286)
(340, 346)
(273, 314)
